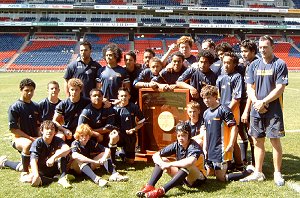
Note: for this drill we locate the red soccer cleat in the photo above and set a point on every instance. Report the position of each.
(159, 192)
(145, 189)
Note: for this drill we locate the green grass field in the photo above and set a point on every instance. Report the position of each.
(82, 187)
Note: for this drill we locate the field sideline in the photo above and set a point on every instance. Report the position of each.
(11, 187)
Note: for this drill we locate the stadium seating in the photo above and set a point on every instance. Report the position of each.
(215, 3)
(289, 54)
(126, 20)
(10, 43)
(297, 4)
(44, 55)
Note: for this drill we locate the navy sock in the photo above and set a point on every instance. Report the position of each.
(25, 162)
(238, 175)
(176, 180)
(86, 169)
(113, 154)
(12, 165)
(63, 166)
(244, 146)
(156, 175)
(108, 165)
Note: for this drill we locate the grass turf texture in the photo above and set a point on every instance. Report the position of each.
(83, 187)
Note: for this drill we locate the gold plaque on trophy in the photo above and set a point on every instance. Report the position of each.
(166, 121)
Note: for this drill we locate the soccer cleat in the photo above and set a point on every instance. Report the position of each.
(278, 179)
(145, 189)
(250, 168)
(64, 181)
(117, 177)
(159, 192)
(256, 176)
(3, 159)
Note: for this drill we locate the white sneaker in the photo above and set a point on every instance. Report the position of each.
(256, 176)
(117, 177)
(250, 168)
(3, 159)
(64, 181)
(278, 179)
(102, 182)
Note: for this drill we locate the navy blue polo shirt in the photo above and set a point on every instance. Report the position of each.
(97, 118)
(42, 151)
(195, 128)
(86, 73)
(71, 111)
(265, 77)
(126, 116)
(111, 80)
(230, 86)
(24, 116)
(170, 78)
(214, 120)
(192, 150)
(134, 93)
(187, 61)
(198, 79)
(217, 67)
(145, 76)
(47, 109)
(91, 148)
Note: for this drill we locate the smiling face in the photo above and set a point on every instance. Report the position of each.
(147, 57)
(48, 133)
(110, 58)
(124, 97)
(177, 63)
(83, 139)
(193, 113)
(155, 68)
(185, 49)
(96, 98)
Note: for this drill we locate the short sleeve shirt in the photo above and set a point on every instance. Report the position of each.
(91, 148)
(47, 109)
(230, 86)
(111, 80)
(170, 77)
(24, 116)
(214, 120)
(86, 73)
(71, 111)
(145, 76)
(97, 118)
(193, 150)
(42, 151)
(265, 77)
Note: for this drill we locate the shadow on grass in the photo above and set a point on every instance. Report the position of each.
(290, 166)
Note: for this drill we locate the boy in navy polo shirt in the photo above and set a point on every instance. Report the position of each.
(101, 120)
(111, 77)
(218, 139)
(147, 76)
(69, 110)
(24, 121)
(167, 80)
(89, 155)
(130, 119)
(47, 105)
(48, 158)
(188, 167)
(230, 89)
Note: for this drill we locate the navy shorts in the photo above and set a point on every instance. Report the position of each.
(216, 165)
(266, 127)
(128, 143)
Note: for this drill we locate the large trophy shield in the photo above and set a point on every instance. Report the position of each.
(162, 110)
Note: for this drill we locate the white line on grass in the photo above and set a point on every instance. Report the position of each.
(294, 186)
(293, 131)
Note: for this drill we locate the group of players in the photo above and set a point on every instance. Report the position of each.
(232, 99)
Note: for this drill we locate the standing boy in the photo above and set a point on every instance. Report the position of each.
(266, 80)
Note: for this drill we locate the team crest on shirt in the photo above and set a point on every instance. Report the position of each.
(127, 118)
(209, 122)
(118, 75)
(223, 87)
(30, 116)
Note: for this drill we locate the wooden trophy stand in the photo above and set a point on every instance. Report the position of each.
(162, 110)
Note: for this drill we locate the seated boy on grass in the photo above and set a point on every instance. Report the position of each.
(185, 169)
(48, 158)
(89, 155)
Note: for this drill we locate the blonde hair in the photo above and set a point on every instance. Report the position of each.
(75, 82)
(82, 130)
(193, 105)
(185, 39)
